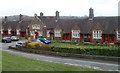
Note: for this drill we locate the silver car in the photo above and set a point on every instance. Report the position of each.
(19, 44)
(14, 38)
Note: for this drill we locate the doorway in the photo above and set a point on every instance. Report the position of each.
(36, 35)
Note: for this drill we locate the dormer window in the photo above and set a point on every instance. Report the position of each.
(97, 34)
(75, 33)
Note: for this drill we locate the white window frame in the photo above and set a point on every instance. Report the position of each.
(118, 35)
(1, 31)
(97, 34)
(57, 33)
(75, 33)
(48, 33)
(40, 33)
(35, 26)
(18, 31)
(31, 33)
(9, 31)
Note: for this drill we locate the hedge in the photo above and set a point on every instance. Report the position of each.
(87, 51)
(79, 43)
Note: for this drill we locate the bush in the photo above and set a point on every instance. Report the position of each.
(87, 51)
(36, 45)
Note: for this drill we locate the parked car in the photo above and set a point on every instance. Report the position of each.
(44, 40)
(19, 44)
(14, 38)
(6, 40)
(35, 40)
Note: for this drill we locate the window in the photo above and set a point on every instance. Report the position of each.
(31, 33)
(97, 34)
(118, 35)
(18, 32)
(86, 36)
(75, 33)
(1, 31)
(9, 31)
(48, 33)
(57, 33)
(35, 26)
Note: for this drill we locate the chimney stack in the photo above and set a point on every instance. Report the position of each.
(91, 13)
(41, 14)
(35, 15)
(6, 19)
(57, 14)
(20, 17)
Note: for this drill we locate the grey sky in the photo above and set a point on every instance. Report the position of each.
(65, 7)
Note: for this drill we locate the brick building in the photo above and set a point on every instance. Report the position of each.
(89, 29)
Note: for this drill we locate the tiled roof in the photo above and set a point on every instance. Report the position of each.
(109, 24)
(14, 24)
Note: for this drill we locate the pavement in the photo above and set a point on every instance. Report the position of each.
(88, 63)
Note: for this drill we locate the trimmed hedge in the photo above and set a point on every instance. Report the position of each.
(87, 51)
(79, 43)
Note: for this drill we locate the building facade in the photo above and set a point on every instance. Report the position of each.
(90, 29)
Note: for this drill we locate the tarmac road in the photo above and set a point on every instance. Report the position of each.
(95, 64)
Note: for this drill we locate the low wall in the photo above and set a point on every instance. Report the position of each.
(65, 54)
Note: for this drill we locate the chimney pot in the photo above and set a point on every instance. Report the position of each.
(41, 14)
(57, 14)
(20, 17)
(91, 13)
(6, 19)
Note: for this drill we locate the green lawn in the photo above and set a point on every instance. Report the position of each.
(17, 63)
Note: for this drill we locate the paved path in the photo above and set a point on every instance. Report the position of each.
(95, 64)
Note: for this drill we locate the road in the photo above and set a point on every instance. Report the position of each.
(95, 64)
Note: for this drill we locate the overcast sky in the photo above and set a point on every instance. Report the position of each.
(65, 7)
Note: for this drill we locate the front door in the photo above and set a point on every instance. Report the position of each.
(36, 35)
(51, 36)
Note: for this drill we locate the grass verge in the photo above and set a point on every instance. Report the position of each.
(17, 63)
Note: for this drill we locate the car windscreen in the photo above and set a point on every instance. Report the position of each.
(19, 43)
(14, 37)
(6, 38)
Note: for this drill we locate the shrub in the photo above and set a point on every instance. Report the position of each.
(87, 51)
(25, 44)
(36, 45)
